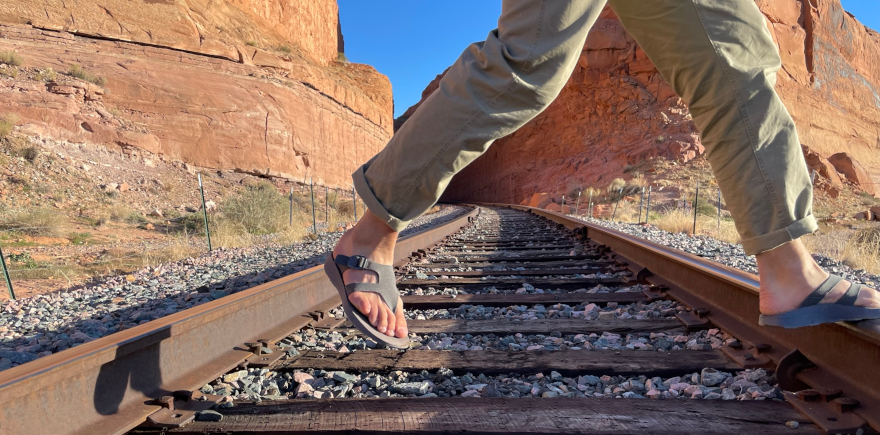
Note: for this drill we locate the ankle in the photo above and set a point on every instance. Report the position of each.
(787, 261)
(372, 231)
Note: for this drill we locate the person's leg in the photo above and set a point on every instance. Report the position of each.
(494, 88)
(720, 58)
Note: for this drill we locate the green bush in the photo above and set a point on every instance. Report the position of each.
(341, 57)
(11, 58)
(285, 49)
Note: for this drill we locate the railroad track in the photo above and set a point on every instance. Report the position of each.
(606, 332)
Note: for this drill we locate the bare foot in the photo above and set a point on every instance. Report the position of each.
(789, 274)
(375, 240)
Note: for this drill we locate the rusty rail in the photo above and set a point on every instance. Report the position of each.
(839, 359)
(107, 386)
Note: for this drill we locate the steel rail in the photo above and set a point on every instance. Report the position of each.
(107, 386)
(840, 356)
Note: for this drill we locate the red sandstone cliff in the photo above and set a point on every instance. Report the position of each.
(251, 85)
(616, 110)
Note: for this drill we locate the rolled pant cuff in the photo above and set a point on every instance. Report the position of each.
(757, 245)
(363, 189)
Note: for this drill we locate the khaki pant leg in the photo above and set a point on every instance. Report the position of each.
(720, 58)
(494, 88)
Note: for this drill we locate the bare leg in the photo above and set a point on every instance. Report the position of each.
(788, 274)
(374, 239)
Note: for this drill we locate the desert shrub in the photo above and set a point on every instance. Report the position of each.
(46, 75)
(193, 223)
(30, 153)
(80, 73)
(11, 58)
(79, 238)
(705, 207)
(345, 207)
(7, 123)
(121, 212)
(260, 209)
(341, 57)
(616, 185)
(250, 216)
(251, 43)
(34, 222)
(862, 250)
(284, 49)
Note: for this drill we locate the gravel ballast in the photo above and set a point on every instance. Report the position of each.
(725, 253)
(41, 325)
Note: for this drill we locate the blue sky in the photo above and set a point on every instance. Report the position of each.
(411, 41)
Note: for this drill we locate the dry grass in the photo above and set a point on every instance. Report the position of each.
(862, 250)
(176, 249)
(261, 210)
(42, 222)
(859, 249)
(674, 221)
(682, 221)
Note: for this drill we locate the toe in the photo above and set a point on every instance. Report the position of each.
(402, 330)
(361, 303)
(868, 297)
(392, 323)
(382, 325)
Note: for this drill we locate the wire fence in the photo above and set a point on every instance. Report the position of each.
(325, 206)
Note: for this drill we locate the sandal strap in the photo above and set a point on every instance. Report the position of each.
(851, 295)
(386, 287)
(817, 295)
(357, 262)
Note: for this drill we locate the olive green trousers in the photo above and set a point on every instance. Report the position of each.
(717, 55)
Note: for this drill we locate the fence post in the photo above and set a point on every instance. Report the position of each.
(696, 200)
(6, 275)
(614, 213)
(641, 201)
(590, 206)
(314, 218)
(719, 209)
(290, 216)
(648, 205)
(577, 204)
(354, 201)
(205, 210)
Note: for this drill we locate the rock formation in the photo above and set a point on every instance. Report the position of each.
(617, 112)
(250, 85)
